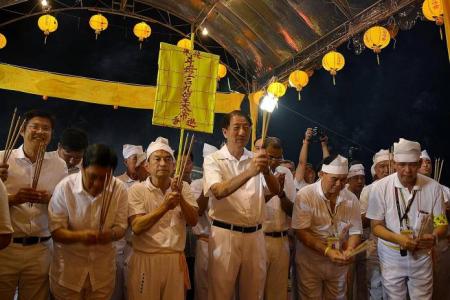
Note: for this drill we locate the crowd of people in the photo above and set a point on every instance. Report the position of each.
(255, 226)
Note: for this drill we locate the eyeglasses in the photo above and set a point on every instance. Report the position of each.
(275, 159)
(35, 127)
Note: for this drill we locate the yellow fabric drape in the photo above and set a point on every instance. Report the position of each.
(447, 24)
(254, 99)
(93, 91)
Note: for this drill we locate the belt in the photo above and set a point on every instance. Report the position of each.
(30, 240)
(232, 227)
(276, 234)
(390, 246)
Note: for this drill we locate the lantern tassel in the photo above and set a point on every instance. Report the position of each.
(378, 59)
(45, 39)
(140, 46)
(440, 32)
(299, 96)
(334, 80)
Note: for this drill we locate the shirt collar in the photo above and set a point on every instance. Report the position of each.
(148, 183)
(21, 154)
(319, 190)
(398, 184)
(224, 153)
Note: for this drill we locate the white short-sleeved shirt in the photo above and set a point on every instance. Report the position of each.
(204, 222)
(244, 207)
(312, 210)
(168, 235)
(382, 202)
(73, 170)
(276, 218)
(71, 207)
(364, 198)
(446, 191)
(5, 220)
(26, 219)
(126, 179)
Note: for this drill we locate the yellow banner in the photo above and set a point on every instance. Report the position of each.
(93, 91)
(447, 24)
(185, 89)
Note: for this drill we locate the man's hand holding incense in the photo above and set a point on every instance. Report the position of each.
(427, 241)
(3, 171)
(338, 257)
(105, 237)
(406, 242)
(27, 195)
(172, 200)
(88, 237)
(260, 163)
(44, 197)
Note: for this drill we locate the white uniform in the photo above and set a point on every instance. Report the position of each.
(275, 228)
(319, 277)
(73, 170)
(235, 258)
(126, 180)
(5, 220)
(414, 271)
(26, 266)
(157, 267)
(80, 271)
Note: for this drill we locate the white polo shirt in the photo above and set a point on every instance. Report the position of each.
(71, 207)
(244, 207)
(203, 226)
(5, 220)
(276, 218)
(168, 235)
(364, 198)
(126, 179)
(26, 219)
(312, 210)
(382, 202)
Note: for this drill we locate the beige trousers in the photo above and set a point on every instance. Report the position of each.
(277, 268)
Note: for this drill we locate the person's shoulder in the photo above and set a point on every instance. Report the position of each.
(308, 191)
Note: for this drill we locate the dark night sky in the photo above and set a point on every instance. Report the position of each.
(370, 107)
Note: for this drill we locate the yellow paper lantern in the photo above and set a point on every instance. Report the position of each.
(2, 41)
(298, 79)
(377, 38)
(99, 23)
(277, 89)
(48, 24)
(142, 31)
(221, 71)
(433, 10)
(333, 62)
(185, 44)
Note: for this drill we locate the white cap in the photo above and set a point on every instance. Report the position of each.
(381, 155)
(141, 157)
(406, 151)
(159, 144)
(424, 155)
(372, 171)
(208, 149)
(339, 166)
(355, 170)
(129, 150)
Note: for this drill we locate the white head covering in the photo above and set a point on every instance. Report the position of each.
(406, 151)
(372, 170)
(129, 150)
(356, 170)
(339, 166)
(424, 155)
(381, 155)
(208, 149)
(141, 157)
(159, 144)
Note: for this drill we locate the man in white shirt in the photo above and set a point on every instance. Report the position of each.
(158, 213)
(130, 155)
(408, 216)
(85, 221)
(327, 222)
(24, 264)
(356, 179)
(5, 221)
(71, 146)
(276, 224)
(233, 176)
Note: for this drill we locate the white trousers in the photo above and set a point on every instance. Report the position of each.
(60, 292)
(201, 270)
(25, 268)
(412, 273)
(236, 260)
(155, 277)
(277, 268)
(319, 278)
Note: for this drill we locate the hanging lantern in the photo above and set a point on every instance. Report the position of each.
(433, 10)
(185, 44)
(2, 41)
(221, 71)
(332, 62)
(298, 79)
(276, 89)
(99, 23)
(377, 38)
(45, 97)
(48, 24)
(142, 31)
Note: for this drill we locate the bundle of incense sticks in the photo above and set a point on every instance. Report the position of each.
(438, 165)
(13, 134)
(106, 198)
(38, 165)
(423, 225)
(361, 247)
(265, 124)
(185, 154)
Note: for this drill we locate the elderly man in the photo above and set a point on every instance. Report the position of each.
(276, 225)
(24, 264)
(84, 227)
(130, 155)
(158, 212)
(327, 222)
(233, 176)
(71, 146)
(407, 215)
(356, 179)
